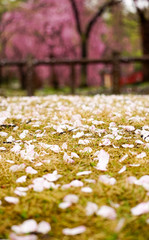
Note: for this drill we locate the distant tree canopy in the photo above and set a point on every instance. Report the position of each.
(47, 28)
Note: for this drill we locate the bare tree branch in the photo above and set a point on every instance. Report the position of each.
(77, 16)
(139, 11)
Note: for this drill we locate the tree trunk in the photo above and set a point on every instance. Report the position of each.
(1, 76)
(23, 80)
(54, 79)
(145, 47)
(84, 54)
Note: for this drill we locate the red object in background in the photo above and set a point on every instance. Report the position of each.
(133, 78)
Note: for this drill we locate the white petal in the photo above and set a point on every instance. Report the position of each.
(76, 183)
(64, 146)
(51, 177)
(74, 231)
(64, 205)
(83, 173)
(20, 193)
(21, 179)
(141, 155)
(91, 208)
(13, 200)
(107, 212)
(55, 148)
(78, 135)
(74, 155)
(43, 227)
(13, 236)
(123, 158)
(30, 170)
(86, 189)
(103, 158)
(16, 167)
(131, 180)
(140, 209)
(106, 179)
(120, 225)
(29, 226)
(3, 134)
(83, 142)
(127, 145)
(123, 169)
(72, 198)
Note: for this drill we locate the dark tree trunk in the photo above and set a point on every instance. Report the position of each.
(54, 79)
(23, 79)
(1, 76)
(145, 46)
(84, 54)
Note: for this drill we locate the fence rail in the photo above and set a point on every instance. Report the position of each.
(36, 62)
(116, 60)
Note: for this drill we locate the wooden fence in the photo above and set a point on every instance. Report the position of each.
(115, 61)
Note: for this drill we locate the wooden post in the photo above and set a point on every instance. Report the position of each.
(1, 80)
(72, 80)
(116, 73)
(29, 78)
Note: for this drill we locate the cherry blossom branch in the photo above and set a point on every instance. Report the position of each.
(99, 13)
(77, 16)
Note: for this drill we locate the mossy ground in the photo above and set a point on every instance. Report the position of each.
(54, 111)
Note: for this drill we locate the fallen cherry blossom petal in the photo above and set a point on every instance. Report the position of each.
(127, 145)
(20, 193)
(106, 179)
(55, 148)
(140, 209)
(141, 155)
(64, 205)
(43, 227)
(64, 146)
(83, 142)
(13, 236)
(30, 170)
(131, 179)
(87, 150)
(123, 158)
(90, 180)
(91, 208)
(78, 135)
(74, 231)
(86, 189)
(52, 177)
(13, 200)
(84, 173)
(21, 179)
(120, 225)
(23, 134)
(67, 158)
(74, 155)
(123, 169)
(107, 212)
(3, 134)
(28, 226)
(16, 167)
(72, 198)
(76, 183)
(103, 158)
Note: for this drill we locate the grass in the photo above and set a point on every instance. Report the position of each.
(50, 112)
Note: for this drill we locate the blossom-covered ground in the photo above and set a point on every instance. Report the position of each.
(74, 168)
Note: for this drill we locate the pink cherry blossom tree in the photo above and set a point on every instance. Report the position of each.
(47, 29)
